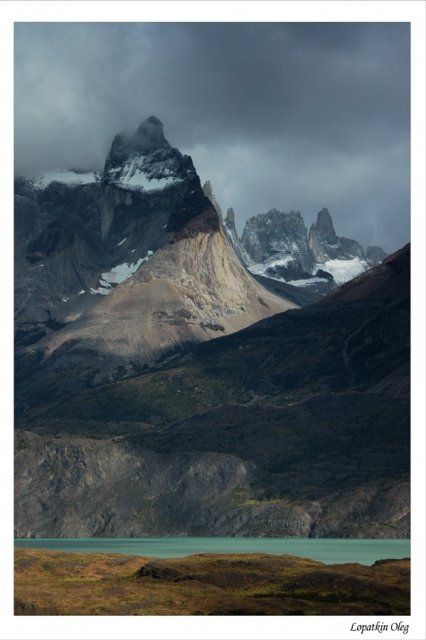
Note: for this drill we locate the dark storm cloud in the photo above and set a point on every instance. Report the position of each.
(276, 115)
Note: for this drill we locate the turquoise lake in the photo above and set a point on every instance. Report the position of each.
(330, 551)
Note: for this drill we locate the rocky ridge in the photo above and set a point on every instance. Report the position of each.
(277, 245)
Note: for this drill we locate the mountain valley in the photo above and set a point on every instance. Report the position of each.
(164, 388)
(308, 435)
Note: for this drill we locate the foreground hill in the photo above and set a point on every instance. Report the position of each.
(51, 583)
(296, 426)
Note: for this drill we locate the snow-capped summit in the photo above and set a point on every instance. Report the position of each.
(145, 160)
(276, 245)
(137, 263)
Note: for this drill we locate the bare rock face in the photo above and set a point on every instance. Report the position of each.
(112, 488)
(326, 245)
(121, 271)
(279, 234)
(192, 289)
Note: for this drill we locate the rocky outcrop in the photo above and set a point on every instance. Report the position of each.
(57, 254)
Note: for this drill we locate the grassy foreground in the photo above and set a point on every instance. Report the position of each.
(58, 583)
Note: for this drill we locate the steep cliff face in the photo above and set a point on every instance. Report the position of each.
(190, 290)
(58, 251)
(124, 270)
(276, 232)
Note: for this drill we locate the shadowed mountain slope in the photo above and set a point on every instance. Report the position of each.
(298, 425)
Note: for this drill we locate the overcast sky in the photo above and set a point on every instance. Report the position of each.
(291, 116)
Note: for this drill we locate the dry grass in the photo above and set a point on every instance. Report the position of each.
(57, 583)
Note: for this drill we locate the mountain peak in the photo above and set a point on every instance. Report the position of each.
(230, 217)
(145, 161)
(149, 136)
(324, 225)
(152, 121)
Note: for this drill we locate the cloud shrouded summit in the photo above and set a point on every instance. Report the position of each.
(292, 116)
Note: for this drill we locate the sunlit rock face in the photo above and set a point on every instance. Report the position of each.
(120, 269)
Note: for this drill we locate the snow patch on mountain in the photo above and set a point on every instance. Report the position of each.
(138, 174)
(261, 268)
(145, 163)
(100, 290)
(71, 178)
(134, 177)
(118, 274)
(343, 270)
(306, 282)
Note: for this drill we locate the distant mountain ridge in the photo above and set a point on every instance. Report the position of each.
(277, 245)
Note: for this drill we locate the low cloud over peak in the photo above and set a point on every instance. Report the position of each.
(293, 116)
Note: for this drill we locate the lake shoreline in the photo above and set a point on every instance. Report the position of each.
(327, 550)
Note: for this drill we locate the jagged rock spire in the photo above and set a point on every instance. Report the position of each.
(324, 226)
(230, 218)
